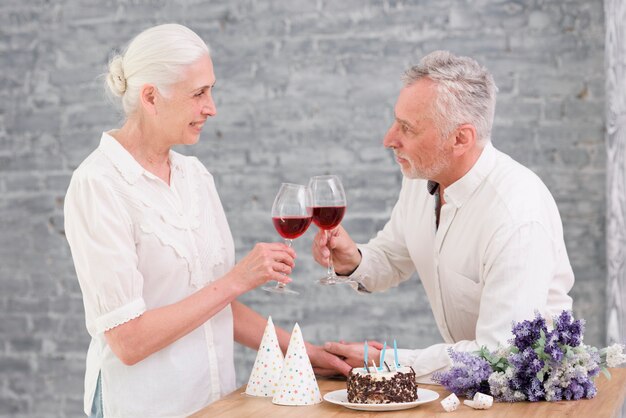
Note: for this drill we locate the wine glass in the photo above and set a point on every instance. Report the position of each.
(291, 215)
(329, 206)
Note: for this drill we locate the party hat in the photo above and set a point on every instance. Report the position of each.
(297, 385)
(267, 366)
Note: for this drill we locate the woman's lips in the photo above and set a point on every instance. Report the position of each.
(197, 125)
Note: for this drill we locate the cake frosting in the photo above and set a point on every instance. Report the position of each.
(379, 387)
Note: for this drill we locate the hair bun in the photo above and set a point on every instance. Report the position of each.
(116, 79)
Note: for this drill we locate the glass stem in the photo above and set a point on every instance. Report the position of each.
(330, 272)
(288, 242)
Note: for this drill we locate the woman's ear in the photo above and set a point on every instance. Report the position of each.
(148, 98)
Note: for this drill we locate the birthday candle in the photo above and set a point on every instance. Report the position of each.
(382, 356)
(365, 354)
(374, 363)
(395, 354)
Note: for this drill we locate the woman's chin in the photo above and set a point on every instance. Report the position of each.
(191, 139)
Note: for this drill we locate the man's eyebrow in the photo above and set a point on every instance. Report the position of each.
(405, 122)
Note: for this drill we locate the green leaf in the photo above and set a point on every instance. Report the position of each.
(500, 366)
(540, 374)
(606, 373)
(541, 353)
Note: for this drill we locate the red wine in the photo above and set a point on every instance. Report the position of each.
(328, 217)
(290, 227)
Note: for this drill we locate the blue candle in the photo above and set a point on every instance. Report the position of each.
(382, 356)
(365, 354)
(395, 354)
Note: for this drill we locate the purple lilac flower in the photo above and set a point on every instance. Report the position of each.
(535, 391)
(590, 389)
(568, 331)
(468, 374)
(558, 395)
(578, 390)
(500, 387)
(552, 365)
(526, 365)
(526, 333)
(552, 347)
(572, 378)
(593, 363)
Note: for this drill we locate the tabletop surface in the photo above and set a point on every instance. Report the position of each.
(607, 403)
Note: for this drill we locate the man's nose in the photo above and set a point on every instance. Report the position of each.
(390, 141)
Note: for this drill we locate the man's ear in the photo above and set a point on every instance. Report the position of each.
(148, 98)
(465, 139)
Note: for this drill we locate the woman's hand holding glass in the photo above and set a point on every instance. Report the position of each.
(266, 262)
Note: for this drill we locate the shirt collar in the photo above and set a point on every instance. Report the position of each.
(432, 187)
(461, 190)
(125, 163)
(176, 162)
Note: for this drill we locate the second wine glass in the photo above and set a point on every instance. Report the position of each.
(329, 206)
(291, 215)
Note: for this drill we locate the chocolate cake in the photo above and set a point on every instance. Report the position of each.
(379, 387)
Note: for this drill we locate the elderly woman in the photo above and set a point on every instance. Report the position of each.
(153, 251)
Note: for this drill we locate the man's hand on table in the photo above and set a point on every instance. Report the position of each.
(325, 363)
(352, 353)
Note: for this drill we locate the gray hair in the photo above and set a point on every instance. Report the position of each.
(156, 56)
(466, 92)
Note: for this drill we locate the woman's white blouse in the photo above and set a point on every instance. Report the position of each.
(139, 244)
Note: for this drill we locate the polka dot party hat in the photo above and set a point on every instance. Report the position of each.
(267, 366)
(297, 385)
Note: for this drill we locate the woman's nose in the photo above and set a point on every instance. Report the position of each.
(209, 107)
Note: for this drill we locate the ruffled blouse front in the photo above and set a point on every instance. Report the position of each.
(139, 244)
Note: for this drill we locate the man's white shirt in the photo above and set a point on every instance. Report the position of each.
(497, 256)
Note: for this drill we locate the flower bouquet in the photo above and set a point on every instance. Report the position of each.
(538, 365)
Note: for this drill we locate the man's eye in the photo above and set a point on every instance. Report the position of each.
(199, 94)
(405, 128)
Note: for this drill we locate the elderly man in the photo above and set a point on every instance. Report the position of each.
(482, 231)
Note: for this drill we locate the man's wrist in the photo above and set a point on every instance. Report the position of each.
(354, 269)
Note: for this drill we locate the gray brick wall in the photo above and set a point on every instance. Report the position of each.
(304, 87)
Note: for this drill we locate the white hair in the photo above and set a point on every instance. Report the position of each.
(156, 56)
(466, 92)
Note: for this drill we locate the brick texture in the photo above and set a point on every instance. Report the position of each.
(304, 87)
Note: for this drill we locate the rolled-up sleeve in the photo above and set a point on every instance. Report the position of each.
(100, 234)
